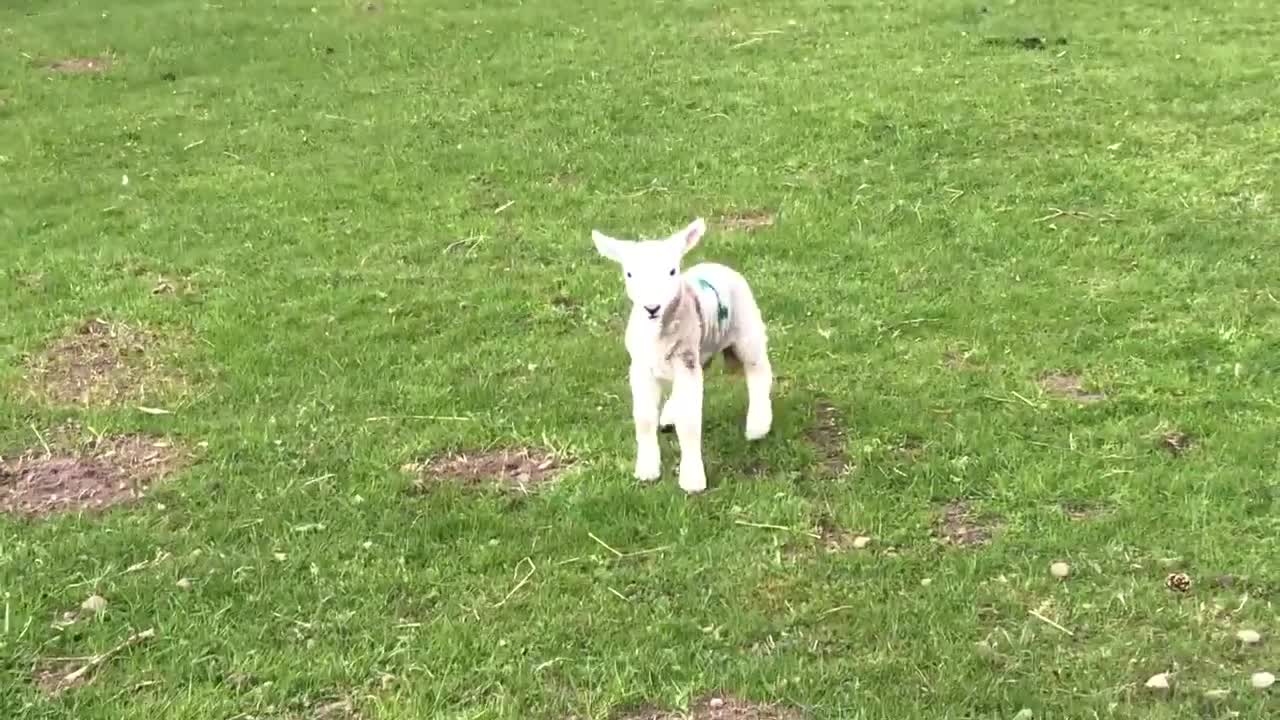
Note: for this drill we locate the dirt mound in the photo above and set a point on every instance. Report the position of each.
(110, 472)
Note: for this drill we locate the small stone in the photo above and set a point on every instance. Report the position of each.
(860, 542)
(1262, 680)
(184, 584)
(94, 604)
(926, 582)
(1159, 681)
(280, 557)
(1249, 637)
(716, 703)
(1024, 714)
(1216, 694)
(1060, 570)
(1180, 582)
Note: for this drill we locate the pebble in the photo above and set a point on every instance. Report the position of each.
(1249, 637)
(94, 604)
(1159, 681)
(716, 703)
(1060, 570)
(861, 541)
(1262, 680)
(184, 584)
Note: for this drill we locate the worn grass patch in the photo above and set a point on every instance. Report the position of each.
(81, 65)
(716, 707)
(104, 363)
(522, 469)
(827, 436)
(1069, 386)
(960, 526)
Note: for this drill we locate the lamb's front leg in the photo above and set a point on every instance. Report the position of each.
(645, 396)
(687, 391)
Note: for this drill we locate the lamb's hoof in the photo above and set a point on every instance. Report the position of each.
(693, 483)
(757, 428)
(667, 428)
(648, 471)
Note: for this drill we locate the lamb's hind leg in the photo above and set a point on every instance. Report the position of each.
(751, 351)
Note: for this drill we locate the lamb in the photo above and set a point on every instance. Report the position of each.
(678, 323)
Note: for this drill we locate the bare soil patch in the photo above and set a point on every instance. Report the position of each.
(748, 220)
(1069, 386)
(959, 360)
(341, 709)
(717, 707)
(101, 363)
(960, 526)
(909, 447)
(1176, 442)
(1080, 510)
(109, 471)
(50, 676)
(827, 438)
(81, 65)
(523, 469)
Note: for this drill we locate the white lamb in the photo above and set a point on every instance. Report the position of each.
(678, 322)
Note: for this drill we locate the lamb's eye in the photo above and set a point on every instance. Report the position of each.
(672, 273)
(628, 274)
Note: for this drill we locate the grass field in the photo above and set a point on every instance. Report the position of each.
(1019, 263)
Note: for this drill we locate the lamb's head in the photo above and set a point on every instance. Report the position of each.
(651, 268)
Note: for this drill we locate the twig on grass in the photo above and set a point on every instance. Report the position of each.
(43, 444)
(1050, 623)
(620, 555)
(96, 660)
(604, 544)
(504, 206)
(745, 43)
(470, 242)
(620, 595)
(767, 526)
(532, 569)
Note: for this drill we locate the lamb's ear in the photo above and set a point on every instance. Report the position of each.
(607, 246)
(689, 237)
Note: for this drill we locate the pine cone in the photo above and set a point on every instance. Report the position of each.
(1178, 581)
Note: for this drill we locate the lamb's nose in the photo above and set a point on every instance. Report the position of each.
(652, 310)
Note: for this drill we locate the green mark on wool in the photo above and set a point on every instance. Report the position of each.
(722, 310)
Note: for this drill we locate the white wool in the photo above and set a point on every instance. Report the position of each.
(679, 321)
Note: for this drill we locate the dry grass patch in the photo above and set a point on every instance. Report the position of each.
(1069, 386)
(748, 220)
(717, 707)
(81, 65)
(101, 363)
(108, 471)
(960, 526)
(522, 469)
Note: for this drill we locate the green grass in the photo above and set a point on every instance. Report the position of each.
(306, 166)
